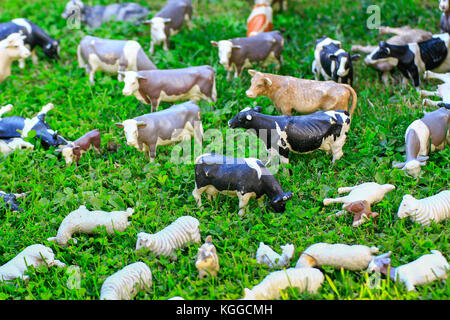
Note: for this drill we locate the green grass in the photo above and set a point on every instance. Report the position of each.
(161, 191)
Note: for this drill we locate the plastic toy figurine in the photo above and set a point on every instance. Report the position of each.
(282, 4)
(11, 49)
(84, 221)
(112, 56)
(8, 146)
(207, 262)
(301, 95)
(266, 255)
(9, 201)
(127, 282)
(444, 24)
(153, 86)
(361, 211)
(260, 19)
(240, 53)
(168, 22)
(245, 178)
(443, 90)
(74, 150)
(434, 127)
(175, 124)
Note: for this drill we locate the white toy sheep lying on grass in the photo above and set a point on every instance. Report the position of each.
(35, 255)
(174, 236)
(207, 261)
(85, 221)
(309, 279)
(265, 255)
(127, 282)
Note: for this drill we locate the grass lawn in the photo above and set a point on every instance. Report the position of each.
(160, 192)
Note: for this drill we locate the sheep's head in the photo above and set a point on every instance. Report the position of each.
(287, 250)
(144, 240)
(380, 263)
(408, 206)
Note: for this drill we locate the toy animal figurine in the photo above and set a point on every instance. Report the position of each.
(35, 255)
(177, 123)
(207, 262)
(260, 19)
(434, 127)
(338, 255)
(443, 90)
(265, 255)
(300, 134)
(444, 24)
(174, 236)
(112, 56)
(245, 178)
(305, 279)
(301, 95)
(435, 208)
(8, 146)
(84, 221)
(74, 150)
(370, 192)
(424, 270)
(168, 22)
(95, 16)
(11, 49)
(9, 201)
(333, 62)
(240, 53)
(127, 282)
(154, 86)
(361, 212)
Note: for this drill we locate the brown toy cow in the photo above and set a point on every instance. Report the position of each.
(74, 150)
(361, 211)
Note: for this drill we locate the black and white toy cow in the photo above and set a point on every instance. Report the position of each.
(323, 130)
(34, 36)
(415, 58)
(333, 62)
(245, 178)
(9, 201)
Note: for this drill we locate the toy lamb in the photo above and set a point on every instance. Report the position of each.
(309, 279)
(435, 208)
(127, 282)
(265, 255)
(84, 221)
(35, 255)
(207, 262)
(11, 49)
(339, 255)
(174, 236)
(424, 270)
(371, 192)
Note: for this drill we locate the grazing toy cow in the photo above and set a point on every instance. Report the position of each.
(154, 86)
(301, 134)
(434, 127)
(175, 124)
(304, 96)
(9, 201)
(11, 49)
(260, 19)
(95, 16)
(74, 150)
(245, 178)
(168, 22)
(240, 53)
(332, 62)
(111, 56)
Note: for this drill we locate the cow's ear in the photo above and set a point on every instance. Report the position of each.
(333, 57)
(141, 124)
(267, 81)
(252, 72)
(167, 20)
(355, 57)
(214, 43)
(257, 109)
(119, 125)
(235, 46)
(76, 147)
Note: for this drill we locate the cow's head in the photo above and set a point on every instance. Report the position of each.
(279, 202)
(131, 127)
(68, 153)
(343, 63)
(52, 49)
(13, 47)
(408, 206)
(225, 49)
(444, 5)
(260, 84)
(382, 54)
(131, 80)
(413, 167)
(157, 27)
(49, 137)
(144, 240)
(73, 8)
(244, 118)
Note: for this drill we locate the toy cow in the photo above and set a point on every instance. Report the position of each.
(11, 49)
(207, 261)
(443, 90)
(95, 16)
(434, 127)
(239, 53)
(9, 201)
(301, 95)
(8, 146)
(112, 56)
(333, 62)
(168, 22)
(74, 150)
(444, 23)
(245, 178)
(260, 19)
(34, 36)
(179, 122)
(154, 86)
(300, 134)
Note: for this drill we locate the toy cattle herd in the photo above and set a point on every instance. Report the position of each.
(324, 125)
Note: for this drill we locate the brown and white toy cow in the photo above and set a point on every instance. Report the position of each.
(260, 19)
(301, 95)
(240, 53)
(74, 150)
(11, 49)
(154, 86)
(111, 56)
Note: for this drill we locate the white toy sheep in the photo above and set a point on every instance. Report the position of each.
(127, 282)
(339, 255)
(85, 221)
(266, 255)
(35, 255)
(435, 208)
(309, 279)
(207, 262)
(174, 236)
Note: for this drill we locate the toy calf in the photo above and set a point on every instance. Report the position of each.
(239, 53)
(11, 49)
(168, 22)
(207, 262)
(260, 19)
(9, 200)
(245, 178)
(74, 150)
(434, 127)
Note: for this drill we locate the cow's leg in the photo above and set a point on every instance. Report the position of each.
(34, 57)
(46, 108)
(188, 21)
(385, 78)
(243, 202)
(166, 44)
(261, 202)
(197, 193)
(342, 190)
(152, 152)
(237, 71)
(315, 71)
(426, 93)
(5, 109)
(21, 63)
(198, 132)
(431, 103)
(329, 201)
(445, 77)
(152, 47)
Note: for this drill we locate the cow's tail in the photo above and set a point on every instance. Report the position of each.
(81, 62)
(354, 99)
